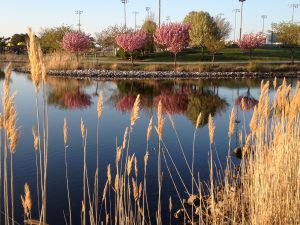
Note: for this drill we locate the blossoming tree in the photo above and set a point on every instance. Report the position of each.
(75, 42)
(173, 37)
(131, 41)
(249, 42)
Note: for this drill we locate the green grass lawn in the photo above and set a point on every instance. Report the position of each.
(228, 54)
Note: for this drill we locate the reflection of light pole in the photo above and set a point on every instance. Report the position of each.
(148, 12)
(235, 12)
(242, 4)
(124, 2)
(263, 18)
(79, 12)
(294, 6)
(135, 13)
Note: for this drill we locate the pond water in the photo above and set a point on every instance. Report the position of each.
(75, 99)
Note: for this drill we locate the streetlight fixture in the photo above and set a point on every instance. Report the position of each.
(242, 4)
(294, 6)
(124, 2)
(148, 12)
(168, 19)
(78, 12)
(135, 13)
(235, 12)
(263, 18)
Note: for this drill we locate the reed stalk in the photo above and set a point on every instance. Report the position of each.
(99, 114)
(1, 127)
(65, 133)
(84, 138)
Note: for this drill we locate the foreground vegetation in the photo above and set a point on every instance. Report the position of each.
(263, 189)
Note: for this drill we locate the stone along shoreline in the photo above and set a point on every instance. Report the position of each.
(161, 75)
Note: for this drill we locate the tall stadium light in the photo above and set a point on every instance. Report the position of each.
(148, 12)
(236, 11)
(241, 27)
(135, 13)
(159, 12)
(124, 2)
(264, 17)
(78, 12)
(294, 6)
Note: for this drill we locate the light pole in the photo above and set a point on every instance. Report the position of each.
(148, 12)
(124, 2)
(263, 18)
(135, 13)
(235, 12)
(159, 12)
(242, 4)
(294, 6)
(168, 19)
(78, 12)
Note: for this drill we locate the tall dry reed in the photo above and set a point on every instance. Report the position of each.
(65, 133)
(38, 76)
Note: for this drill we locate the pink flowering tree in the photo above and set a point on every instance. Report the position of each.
(173, 37)
(131, 41)
(75, 42)
(249, 42)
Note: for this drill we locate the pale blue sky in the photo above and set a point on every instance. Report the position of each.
(17, 15)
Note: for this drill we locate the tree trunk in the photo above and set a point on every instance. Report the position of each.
(131, 57)
(175, 59)
(250, 54)
(213, 59)
(292, 56)
(202, 50)
(77, 56)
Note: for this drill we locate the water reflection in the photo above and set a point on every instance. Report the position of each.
(2, 75)
(186, 98)
(182, 98)
(249, 101)
(68, 93)
(206, 103)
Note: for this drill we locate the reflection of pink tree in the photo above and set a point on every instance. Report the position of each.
(249, 42)
(249, 101)
(131, 41)
(172, 102)
(76, 100)
(126, 102)
(75, 42)
(173, 36)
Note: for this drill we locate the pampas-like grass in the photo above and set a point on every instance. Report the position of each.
(135, 111)
(65, 134)
(231, 123)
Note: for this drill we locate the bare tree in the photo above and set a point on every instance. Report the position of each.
(224, 26)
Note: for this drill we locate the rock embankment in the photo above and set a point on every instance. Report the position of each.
(160, 75)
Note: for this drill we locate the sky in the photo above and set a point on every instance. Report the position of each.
(17, 15)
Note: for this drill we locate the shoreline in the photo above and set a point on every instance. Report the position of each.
(96, 74)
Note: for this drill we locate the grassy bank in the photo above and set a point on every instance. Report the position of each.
(229, 55)
(68, 62)
(226, 55)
